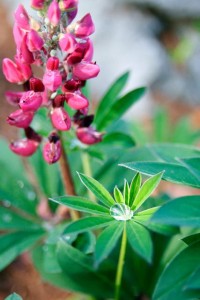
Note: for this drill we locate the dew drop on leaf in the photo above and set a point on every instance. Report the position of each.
(121, 212)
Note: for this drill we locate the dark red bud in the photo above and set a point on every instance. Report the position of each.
(71, 85)
(32, 135)
(36, 85)
(58, 101)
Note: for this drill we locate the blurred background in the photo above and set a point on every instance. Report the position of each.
(157, 40)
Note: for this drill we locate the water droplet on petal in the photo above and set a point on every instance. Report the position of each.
(121, 212)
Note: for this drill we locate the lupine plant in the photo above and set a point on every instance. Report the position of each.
(139, 243)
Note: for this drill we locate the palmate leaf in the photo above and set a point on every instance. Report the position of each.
(13, 244)
(110, 97)
(183, 211)
(107, 241)
(88, 223)
(171, 284)
(13, 296)
(146, 190)
(140, 240)
(81, 204)
(117, 110)
(180, 162)
(97, 189)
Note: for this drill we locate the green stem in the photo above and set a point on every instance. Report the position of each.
(120, 266)
(87, 171)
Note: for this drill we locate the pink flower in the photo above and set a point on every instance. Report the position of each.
(54, 13)
(22, 18)
(20, 118)
(30, 101)
(18, 34)
(24, 147)
(88, 135)
(82, 51)
(85, 70)
(83, 28)
(34, 41)
(52, 63)
(67, 43)
(37, 4)
(13, 97)
(72, 85)
(24, 54)
(52, 149)
(60, 119)
(36, 84)
(16, 72)
(76, 100)
(71, 15)
(52, 80)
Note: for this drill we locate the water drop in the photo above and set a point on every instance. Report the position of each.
(121, 212)
(20, 184)
(6, 203)
(7, 218)
(31, 196)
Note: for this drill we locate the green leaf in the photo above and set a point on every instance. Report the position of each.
(107, 240)
(11, 220)
(140, 240)
(179, 162)
(118, 195)
(194, 280)
(146, 190)
(97, 189)
(117, 139)
(13, 296)
(110, 97)
(191, 239)
(81, 204)
(87, 223)
(134, 187)
(117, 110)
(183, 211)
(13, 244)
(75, 265)
(174, 277)
(126, 192)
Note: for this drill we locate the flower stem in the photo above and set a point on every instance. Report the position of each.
(87, 171)
(120, 266)
(68, 183)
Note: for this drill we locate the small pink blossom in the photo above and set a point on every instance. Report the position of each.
(54, 13)
(52, 63)
(83, 28)
(66, 5)
(24, 54)
(52, 80)
(20, 118)
(34, 41)
(13, 97)
(88, 135)
(30, 101)
(37, 4)
(67, 43)
(24, 147)
(36, 84)
(76, 100)
(16, 72)
(85, 70)
(22, 18)
(52, 149)
(60, 119)
(18, 34)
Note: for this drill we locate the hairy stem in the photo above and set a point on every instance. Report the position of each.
(68, 183)
(87, 171)
(120, 266)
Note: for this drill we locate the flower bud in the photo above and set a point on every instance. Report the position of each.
(36, 84)
(60, 119)
(37, 4)
(52, 63)
(34, 41)
(67, 43)
(24, 147)
(24, 54)
(13, 97)
(18, 34)
(58, 101)
(16, 72)
(52, 149)
(71, 85)
(88, 135)
(71, 15)
(30, 101)
(20, 118)
(52, 80)
(22, 18)
(54, 13)
(66, 5)
(76, 100)
(85, 70)
(82, 28)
